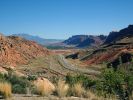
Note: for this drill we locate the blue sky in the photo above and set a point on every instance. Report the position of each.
(61, 19)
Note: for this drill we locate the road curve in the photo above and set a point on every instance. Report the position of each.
(61, 59)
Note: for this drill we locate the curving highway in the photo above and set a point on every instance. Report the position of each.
(61, 59)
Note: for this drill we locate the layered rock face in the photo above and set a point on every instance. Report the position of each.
(15, 50)
(92, 41)
(85, 40)
(117, 36)
(75, 40)
(118, 48)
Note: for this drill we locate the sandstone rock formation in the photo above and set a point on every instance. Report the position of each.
(15, 50)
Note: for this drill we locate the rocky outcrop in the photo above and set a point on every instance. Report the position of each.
(121, 58)
(92, 41)
(76, 39)
(15, 50)
(117, 36)
(117, 49)
(113, 57)
(85, 40)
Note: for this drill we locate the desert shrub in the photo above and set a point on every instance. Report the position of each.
(91, 96)
(32, 77)
(127, 68)
(77, 90)
(33, 89)
(62, 88)
(110, 82)
(19, 84)
(85, 80)
(43, 88)
(129, 83)
(114, 82)
(2, 77)
(5, 89)
(17, 88)
(55, 79)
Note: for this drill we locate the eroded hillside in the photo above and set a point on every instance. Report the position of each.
(15, 50)
(117, 49)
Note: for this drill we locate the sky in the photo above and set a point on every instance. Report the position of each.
(60, 19)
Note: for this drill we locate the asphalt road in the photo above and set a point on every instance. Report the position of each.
(71, 67)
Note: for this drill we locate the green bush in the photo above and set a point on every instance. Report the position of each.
(129, 83)
(85, 80)
(32, 77)
(19, 89)
(111, 82)
(116, 83)
(19, 84)
(2, 77)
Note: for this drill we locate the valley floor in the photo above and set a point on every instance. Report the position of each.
(54, 65)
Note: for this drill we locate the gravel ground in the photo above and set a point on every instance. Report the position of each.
(24, 97)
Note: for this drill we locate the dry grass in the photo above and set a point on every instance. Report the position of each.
(62, 88)
(5, 89)
(78, 90)
(91, 95)
(44, 88)
(131, 97)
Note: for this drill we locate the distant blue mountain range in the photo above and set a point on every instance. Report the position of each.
(38, 39)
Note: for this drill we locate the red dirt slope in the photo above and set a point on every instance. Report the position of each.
(108, 56)
(16, 50)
